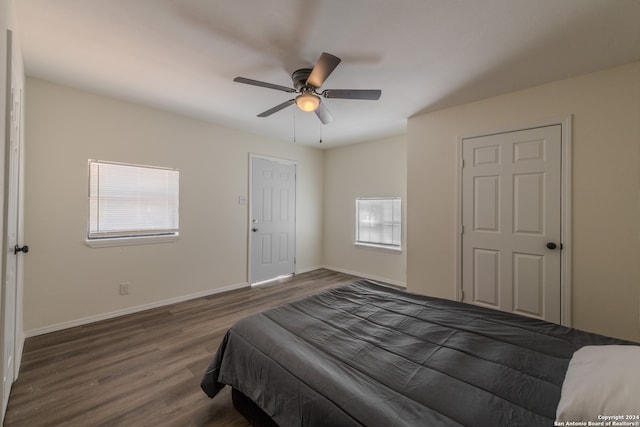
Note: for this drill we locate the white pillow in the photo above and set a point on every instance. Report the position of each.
(601, 381)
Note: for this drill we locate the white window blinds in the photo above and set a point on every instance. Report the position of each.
(379, 222)
(130, 201)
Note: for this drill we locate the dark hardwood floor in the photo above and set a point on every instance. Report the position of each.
(143, 369)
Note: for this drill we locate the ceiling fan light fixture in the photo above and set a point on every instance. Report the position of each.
(308, 102)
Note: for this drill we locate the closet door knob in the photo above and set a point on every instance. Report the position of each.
(551, 245)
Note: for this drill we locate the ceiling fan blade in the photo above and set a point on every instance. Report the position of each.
(370, 94)
(277, 108)
(263, 84)
(325, 66)
(323, 114)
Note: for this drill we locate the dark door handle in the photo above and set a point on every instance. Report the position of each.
(17, 249)
(551, 245)
(254, 229)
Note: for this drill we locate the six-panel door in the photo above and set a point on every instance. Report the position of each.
(511, 189)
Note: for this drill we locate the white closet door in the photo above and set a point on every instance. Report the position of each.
(511, 189)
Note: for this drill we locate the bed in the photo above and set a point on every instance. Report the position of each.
(367, 354)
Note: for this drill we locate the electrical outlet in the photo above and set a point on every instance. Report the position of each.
(124, 288)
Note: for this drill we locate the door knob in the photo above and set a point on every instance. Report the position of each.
(551, 245)
(254, 229)
(17, 249)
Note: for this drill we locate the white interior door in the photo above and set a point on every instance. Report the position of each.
(272, 219)
(11, 226)
(511, 217)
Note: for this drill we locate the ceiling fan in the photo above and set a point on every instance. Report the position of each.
(306, 82)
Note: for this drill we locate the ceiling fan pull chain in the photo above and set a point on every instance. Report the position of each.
(294, 126)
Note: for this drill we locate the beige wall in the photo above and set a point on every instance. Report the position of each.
(65, 280)
(606, 190)
(371, 169)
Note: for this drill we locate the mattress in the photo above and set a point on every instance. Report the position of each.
(367, 354)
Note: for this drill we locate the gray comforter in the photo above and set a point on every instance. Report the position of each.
(366, 354)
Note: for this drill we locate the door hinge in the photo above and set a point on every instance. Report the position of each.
(462, 163)
(461, 229)
(461, 294)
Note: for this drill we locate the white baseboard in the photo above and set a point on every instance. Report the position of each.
(308, 269)
(91, 319)
(367, 276)
(110, 315)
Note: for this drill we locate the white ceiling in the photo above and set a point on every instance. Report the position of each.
(182, 55)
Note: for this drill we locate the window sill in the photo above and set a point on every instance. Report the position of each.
(386, 248)
(127, 241)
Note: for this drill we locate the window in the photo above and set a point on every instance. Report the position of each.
(131, 204)
(379, 222)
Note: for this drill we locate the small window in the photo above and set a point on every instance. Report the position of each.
(379, 222)
(132, 202)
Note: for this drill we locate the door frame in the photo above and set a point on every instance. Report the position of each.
(565, 123)
(250, 207)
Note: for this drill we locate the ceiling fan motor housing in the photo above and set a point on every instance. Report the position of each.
(300, 77)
